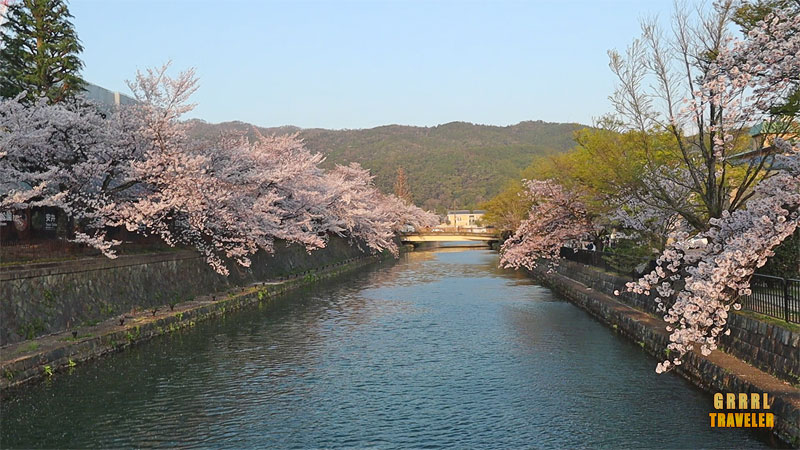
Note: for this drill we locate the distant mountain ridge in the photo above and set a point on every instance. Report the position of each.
(455, 164)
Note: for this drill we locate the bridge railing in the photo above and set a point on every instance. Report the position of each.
(453, 230)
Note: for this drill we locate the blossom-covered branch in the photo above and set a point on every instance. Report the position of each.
(136, 167)
(715, 275)
(698, 286)
(556, 217)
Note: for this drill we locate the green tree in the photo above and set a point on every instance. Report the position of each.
(39, 52)
(749, 13)
(508, 208)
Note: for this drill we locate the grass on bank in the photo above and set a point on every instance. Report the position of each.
(793, 327)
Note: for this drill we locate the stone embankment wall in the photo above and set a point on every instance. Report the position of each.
(32, 360)
(634, 317)
(770, 347)
(41, 299)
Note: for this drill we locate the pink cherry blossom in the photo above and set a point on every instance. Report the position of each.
(228, 197)
(557, 216)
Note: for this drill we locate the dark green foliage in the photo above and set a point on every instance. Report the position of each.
(749, 13)
(39, 52)
(786, 262)
(628, 256)
(456, 164)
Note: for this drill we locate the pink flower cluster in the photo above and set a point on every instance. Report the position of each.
(557, 216)
(748, 80)
(714, 275)
(135, 167)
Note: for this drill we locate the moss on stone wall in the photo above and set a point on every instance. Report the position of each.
(45, 298)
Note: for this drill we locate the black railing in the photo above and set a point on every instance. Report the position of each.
(625, 265)
(774, 296)
(771, 296)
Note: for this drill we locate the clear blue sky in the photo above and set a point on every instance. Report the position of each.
(363, 64)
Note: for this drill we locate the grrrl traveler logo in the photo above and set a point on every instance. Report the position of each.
(740, 410)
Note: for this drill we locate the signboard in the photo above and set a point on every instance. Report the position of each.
(50, 221)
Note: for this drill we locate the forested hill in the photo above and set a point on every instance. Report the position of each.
(456, 164)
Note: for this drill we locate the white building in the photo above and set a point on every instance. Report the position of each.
(464, 218)
(105, 97)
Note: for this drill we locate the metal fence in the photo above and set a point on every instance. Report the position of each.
(34, 250)
(625, 265)
(774, 296)
(771, 296)
(45, 250)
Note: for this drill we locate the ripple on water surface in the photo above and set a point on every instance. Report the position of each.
(440, 349)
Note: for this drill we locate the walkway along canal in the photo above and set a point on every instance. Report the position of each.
(439, 349)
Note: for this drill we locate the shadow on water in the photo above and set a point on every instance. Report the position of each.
(440, 349)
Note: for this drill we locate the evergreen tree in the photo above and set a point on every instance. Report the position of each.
(39, 52)
(401, 189)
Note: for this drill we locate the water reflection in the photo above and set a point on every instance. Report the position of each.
(440, 349)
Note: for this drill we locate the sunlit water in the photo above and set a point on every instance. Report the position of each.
(440, 349)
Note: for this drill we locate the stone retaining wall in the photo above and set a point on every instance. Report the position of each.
(768, 346)
(719, 372)
(44, 357)
(40, 299)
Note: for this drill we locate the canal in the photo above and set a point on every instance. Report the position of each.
(439, 349)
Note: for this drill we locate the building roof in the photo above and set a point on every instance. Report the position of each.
(756, 156)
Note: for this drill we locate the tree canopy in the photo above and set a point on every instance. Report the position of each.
(675, 160)
(39, 51)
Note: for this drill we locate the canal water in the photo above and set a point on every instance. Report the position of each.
(439, 349)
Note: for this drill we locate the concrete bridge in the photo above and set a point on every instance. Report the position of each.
(448, 236)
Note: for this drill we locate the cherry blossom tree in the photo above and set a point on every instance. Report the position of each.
(67, 156)
(766, 65)
(714, 275)
(179, 200)
(556, 217)
(229, 198)
(355, 210)
(406, 213)
(697, 285)
(272, 181)
(677, 86)
(130, 167)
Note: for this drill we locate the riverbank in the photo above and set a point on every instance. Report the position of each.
(440, 349)
(718, 372)
(43, 357)
(46, 298)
